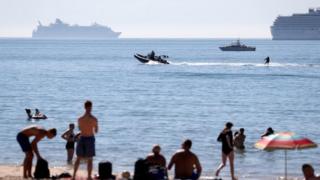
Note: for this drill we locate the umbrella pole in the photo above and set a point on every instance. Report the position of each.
(285, 165)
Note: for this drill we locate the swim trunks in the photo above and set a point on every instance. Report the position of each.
(86, 147)
(24, 142)
(70, 145)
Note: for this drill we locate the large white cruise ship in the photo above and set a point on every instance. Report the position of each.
(61, 30)
(297, 27)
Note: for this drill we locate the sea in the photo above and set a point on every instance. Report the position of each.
(139, 105)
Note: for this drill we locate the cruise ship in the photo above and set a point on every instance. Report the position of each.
(297, 26)
(61, 30)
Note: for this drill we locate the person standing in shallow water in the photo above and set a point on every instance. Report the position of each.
(239, 139)
(225, 137)
(88, 125)
(69, 136)
(30, 148)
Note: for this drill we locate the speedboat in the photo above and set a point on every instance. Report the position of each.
(156, 59)
(237, 46)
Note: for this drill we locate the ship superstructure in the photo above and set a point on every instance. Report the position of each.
(61, 30)
(298, 26)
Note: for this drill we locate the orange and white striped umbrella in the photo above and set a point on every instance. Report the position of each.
(284, 140)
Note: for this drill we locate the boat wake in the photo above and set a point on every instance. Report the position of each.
(231, 64)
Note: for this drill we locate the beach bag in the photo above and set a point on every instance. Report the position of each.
(105, 171)
(42, 169)
(141, 170)
(158, 173)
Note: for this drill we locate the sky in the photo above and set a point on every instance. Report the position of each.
(153, 18)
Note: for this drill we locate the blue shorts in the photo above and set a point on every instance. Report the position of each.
(86, 147)
(24, 142)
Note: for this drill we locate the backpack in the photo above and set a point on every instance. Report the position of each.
(141, 170)
(105, 170)
(42, 169)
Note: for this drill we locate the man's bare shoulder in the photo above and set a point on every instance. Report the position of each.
(87, 117)
(93, 117)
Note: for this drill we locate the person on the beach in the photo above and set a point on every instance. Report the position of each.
(225, 137)
(308, 172)
(155, 158)
(268, 132)
(88, 125)
(157, 163)
(30, 148)
(69, 136)
(185, 163)
(239, 139)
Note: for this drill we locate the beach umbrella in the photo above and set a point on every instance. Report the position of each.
(285, 141)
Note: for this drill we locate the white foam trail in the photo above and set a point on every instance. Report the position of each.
(243, 64)
(152, 63)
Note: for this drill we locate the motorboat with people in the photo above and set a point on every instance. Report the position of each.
(237, 46)
(151, 57)
(37, 115)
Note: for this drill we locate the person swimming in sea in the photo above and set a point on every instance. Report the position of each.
(268, 132)
(239, 138)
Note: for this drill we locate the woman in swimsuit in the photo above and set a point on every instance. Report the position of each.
(69, 136)
(226, 139)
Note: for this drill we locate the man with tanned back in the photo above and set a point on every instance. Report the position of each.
(88, 125)
(185, 163)
(30, 148)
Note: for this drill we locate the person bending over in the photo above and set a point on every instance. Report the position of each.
(28, 148)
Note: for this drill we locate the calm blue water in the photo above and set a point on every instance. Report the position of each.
(139, 105)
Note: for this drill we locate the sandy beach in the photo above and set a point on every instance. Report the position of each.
(14, 172)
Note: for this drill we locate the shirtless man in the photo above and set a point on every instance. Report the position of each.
(88, 125)
(30, 148)
(185, 161)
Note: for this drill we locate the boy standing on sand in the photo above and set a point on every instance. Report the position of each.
(30, 148)
(88, 125)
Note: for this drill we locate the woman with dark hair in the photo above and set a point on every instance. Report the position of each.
(226, 138)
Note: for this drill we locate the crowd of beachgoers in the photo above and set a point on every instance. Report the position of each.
(154, 167)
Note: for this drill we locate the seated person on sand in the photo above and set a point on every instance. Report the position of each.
(30, 148)
(308, 172)
(268, 132)
(239, 139)
(157, 163)
(155, 158)
(185, 163)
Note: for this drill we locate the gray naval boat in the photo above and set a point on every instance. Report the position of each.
(237, 46)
